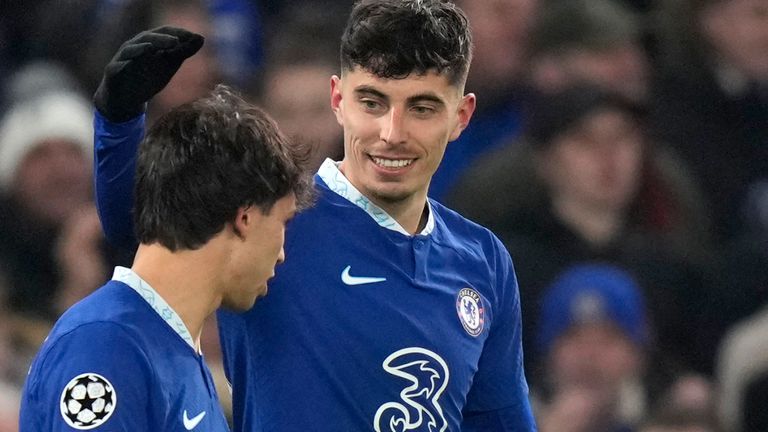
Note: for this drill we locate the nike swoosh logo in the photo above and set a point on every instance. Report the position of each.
(358, 280)
(191, 423)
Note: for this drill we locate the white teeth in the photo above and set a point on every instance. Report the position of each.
(392, 163)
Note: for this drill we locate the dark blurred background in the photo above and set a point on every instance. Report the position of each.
(619, 150)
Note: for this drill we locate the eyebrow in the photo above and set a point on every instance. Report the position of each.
(426, 97)
(365, 90)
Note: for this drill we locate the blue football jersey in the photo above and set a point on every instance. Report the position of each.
(365, 327)
(368, 328)
(120, 360)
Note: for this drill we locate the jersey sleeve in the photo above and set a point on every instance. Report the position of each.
(96, 377)
(499, 393)
(114, 168)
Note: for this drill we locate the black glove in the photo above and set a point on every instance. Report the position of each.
(142, 67)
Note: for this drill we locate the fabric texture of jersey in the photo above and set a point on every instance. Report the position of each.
(367, 328)
(114, 363)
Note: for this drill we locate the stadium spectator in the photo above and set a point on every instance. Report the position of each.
(293, 87)
(592, 335)
(500, 29)
(687, 406)
(124, 20)
(585, 184)
(742, 368)
(710, 102)
(596, 41)
(51, 238)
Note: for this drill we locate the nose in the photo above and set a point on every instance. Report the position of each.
(392, 129)
(281, 256)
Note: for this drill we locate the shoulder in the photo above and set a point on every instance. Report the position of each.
(99, 331)
(93, 343)
(114, 303)
(476, 247)
(82, 373)
(453, 228)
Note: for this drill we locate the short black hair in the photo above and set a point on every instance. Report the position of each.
(394, 38)
(202, 161)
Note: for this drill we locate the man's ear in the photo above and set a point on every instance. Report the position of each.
(466, 109)
(336, 105)
(243, 219)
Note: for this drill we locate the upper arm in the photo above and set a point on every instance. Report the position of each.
(96, 375)
(500, 384)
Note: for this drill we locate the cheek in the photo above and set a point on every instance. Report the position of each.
(361, 127)
(571, 168)
(631, 163)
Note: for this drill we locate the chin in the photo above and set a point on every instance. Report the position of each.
(243, 304)
(390, 195)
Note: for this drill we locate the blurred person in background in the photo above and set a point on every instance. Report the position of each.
(585, 184)
(196, 77)
(711, 101)
(52, 246)
(597, 41)
(689, 405)
(741, 374)
(500, 29)
(295, 80)
(198, 74)
(592, 335)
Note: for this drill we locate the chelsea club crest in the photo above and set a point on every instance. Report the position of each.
(469, 306)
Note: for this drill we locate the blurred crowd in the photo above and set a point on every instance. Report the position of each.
(619, 149)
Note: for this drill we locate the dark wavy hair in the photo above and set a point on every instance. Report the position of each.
(394, 38)
(202, 161)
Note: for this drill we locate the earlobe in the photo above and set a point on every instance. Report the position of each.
(336, 105)
(466, 109)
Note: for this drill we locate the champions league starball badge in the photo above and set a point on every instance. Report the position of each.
(88, 401)
(469, 306)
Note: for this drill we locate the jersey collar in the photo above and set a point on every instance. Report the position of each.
(163, 309)
(338, 183)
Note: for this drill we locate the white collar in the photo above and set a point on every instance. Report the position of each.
(337, 182)
(163, 309)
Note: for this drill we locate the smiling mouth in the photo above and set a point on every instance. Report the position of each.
(391, 163)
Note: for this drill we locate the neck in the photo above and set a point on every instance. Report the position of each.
(411, 213)
(596, 224)
(184, 280)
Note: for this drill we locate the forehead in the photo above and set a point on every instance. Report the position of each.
(410, 86)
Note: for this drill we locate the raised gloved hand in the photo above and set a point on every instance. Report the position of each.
(142, 67)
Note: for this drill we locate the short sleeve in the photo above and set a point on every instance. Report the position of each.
(96, 377)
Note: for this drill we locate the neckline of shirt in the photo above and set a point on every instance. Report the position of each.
(156, 302)
(339, 184)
